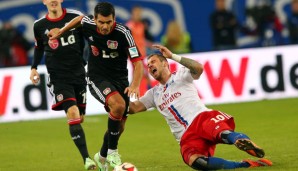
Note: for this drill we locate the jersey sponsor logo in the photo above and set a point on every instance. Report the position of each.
(60, 97)
(133, 51)
(53, 43)
(112, 44)
(106, 91)
(95, 51)
(168, 99)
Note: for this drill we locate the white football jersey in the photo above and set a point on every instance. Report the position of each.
(178, 101)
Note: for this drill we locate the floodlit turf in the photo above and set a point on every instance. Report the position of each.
(147, 142)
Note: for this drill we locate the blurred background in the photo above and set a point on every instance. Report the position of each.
(210, 25)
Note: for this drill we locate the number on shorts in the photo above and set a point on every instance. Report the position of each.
(84, 98)
(222, 116)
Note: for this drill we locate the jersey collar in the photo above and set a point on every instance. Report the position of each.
(57, 19)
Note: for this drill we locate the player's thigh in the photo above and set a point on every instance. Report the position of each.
(103, 91)
(64, 96)
(214, 123)
(81, 96)
(196, 147)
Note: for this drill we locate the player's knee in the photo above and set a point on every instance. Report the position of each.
(73, 110)
(201, 163)
(118, 109)
(82, 118)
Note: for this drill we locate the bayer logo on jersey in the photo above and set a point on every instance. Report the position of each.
(126, 167)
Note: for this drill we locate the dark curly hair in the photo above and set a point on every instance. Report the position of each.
(104, 9)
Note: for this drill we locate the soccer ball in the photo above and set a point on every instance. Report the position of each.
(126, 167)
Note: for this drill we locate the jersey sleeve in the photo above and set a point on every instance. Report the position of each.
(132, 50)
(184, 74)
(148, 99)
(39, 48)
(73, 11)
(87, 19)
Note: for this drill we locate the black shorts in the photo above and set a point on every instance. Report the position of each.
(67, 95)
(102, 90)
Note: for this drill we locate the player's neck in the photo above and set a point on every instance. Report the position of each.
(165, 78)
(56, 14)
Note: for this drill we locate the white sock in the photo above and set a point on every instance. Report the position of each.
(101, 156)
(112, 151)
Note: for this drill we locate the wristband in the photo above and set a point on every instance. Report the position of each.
(176, 58)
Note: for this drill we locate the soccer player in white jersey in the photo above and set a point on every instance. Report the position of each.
(196, 128)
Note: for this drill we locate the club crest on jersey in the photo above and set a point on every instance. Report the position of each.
(106, 91)
(95, 51)
(60, 97)
(112, 44)
(53, 43)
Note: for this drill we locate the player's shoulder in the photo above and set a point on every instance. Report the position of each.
(122, 28)
(88, 19)
(74, 12)
(39, 21)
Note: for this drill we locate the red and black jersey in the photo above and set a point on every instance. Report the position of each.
(64, 56)
(109, 53)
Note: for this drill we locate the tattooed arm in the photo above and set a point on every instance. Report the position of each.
(196, 69)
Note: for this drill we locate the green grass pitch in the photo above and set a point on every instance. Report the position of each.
(147, 142)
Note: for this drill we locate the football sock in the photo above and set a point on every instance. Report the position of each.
(234, 136)
(112, 151)
(231, 137)
(104, 147)
(218, 163)
(78, 136)
(113, 132)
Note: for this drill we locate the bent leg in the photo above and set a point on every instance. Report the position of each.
(242, 142)
(214, 163)
(116, 105)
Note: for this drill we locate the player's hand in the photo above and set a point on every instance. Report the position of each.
(165, 51)
(54, 33)
(34, 76)
(132, 92)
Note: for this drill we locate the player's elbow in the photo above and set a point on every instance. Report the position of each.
(199, 68)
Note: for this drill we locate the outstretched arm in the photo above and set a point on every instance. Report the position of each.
(135, 107)
(196, 69)
(56, 33)
(134, 88)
